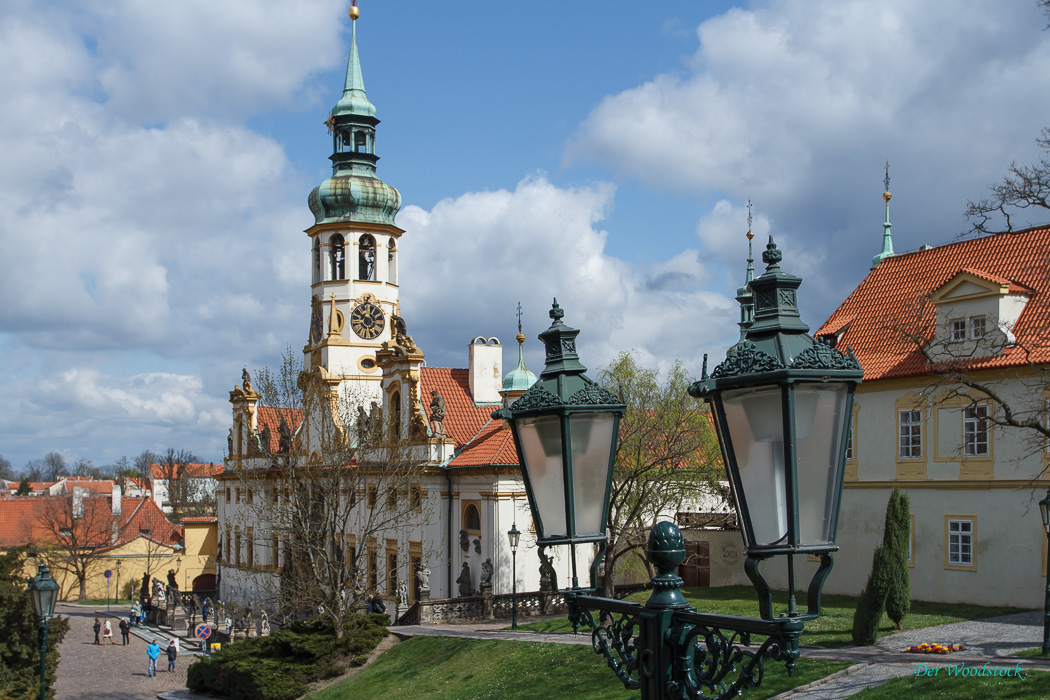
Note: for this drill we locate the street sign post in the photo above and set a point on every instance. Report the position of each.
(107, 574)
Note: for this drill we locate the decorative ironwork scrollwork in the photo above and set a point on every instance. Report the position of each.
(536, 397)
(746, 358)
(615, 638)
(593, 395)
(822, 356)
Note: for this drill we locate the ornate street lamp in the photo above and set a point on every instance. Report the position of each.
(1044, 511)
(781, 402)
(116, 596)
(513, 535)
(43, 590)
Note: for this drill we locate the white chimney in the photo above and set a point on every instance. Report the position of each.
(486, 370)
(116, 498)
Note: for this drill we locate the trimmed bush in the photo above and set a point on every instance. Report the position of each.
(280, 666)
(897, 538)
(872, 600)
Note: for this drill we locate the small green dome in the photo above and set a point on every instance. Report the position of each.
(519, 378)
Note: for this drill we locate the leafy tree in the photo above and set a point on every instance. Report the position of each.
(19, 648)
(23, 487)
(667, 458)
(872, 600)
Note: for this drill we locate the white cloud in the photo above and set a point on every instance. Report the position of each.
(471, 259)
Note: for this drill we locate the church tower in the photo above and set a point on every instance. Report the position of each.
(354, 247)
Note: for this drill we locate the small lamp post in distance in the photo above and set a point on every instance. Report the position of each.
(43, 590)
(781, 403)
(1044, 512)
(513, 536)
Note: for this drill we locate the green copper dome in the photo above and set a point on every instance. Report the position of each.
(354, 194)
(519, 378)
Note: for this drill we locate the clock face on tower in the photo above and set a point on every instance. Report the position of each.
(367, 320)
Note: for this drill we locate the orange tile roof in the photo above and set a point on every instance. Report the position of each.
(200, 519)
(463, 419)
(494, 445)
(894, 290)
(22, 520)
(268, 416)
(97, 487)
(18, 519)
(194, 471)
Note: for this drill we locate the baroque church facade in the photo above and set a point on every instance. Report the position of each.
(468, 492)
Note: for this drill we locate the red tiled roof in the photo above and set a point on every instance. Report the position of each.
(493, 445)
(23, 520)
(268, 416)
(463, 419)
(97, 487)
(199, 519)
(892, 293)
(194, 471)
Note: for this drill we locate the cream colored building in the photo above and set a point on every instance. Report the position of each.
(978, 308)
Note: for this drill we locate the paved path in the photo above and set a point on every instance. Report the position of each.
(90, 672)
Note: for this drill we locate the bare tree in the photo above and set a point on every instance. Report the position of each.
(328, 488)
(667, 458)
(55, 466)
(5, 468)
(75, 531)
(184, 495)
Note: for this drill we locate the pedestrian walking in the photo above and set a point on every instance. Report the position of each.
(369, 607)
(125, 632)
(204, 611)
(98, 628)
(173, 653)
(107, 633)
(152, 651)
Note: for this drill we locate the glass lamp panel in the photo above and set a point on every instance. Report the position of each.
(541, 442)
(755, 423)
(47, 599)
(592, 443)
(819, 433)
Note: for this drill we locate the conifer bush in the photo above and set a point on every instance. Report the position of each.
(872, 600)
(897, 539)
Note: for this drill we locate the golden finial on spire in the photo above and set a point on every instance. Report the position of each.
(750, 235)
(520, 337)
(354, 12)
(886, 195)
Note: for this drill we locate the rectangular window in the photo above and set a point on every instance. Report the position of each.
(391, 573)
(975, 431)
(958, 331)
(237, 545)
(275, 551)
(977, 327)
(372, 496)
(227, 494)
(849, 443)
(960, 542)
(373, 569)
(391, 499)
(226, 546)
(250, 542)
(276, 496)
(910, 434)
(251, 496)
(238, 498)
(415, 497)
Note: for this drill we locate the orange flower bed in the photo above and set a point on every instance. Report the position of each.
(935, 648)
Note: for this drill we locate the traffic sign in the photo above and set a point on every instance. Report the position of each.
(202, 631)
(108, 573)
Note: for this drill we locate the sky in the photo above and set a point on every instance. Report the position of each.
(157, 157)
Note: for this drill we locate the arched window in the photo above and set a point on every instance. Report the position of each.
(391, 263)
(471, 518)
(366, 254)
(338, 255)
(395, 414)
(317, 260)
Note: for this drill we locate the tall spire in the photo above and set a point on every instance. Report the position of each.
(354, 100)
(743, 294)
(887, 236)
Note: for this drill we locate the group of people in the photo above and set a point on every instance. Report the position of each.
(153, 653)
(374, 603)
(106, 630)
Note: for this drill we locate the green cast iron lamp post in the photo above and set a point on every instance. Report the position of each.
(43, 590)
(1044, 511)
(780, 401)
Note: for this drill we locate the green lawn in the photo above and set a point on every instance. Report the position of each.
(1034, 684)
(469, 669)
(831, 629)
(97, 602)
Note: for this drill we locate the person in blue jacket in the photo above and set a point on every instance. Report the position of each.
(152, 651)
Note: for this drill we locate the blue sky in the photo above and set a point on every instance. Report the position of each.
(158, 156)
